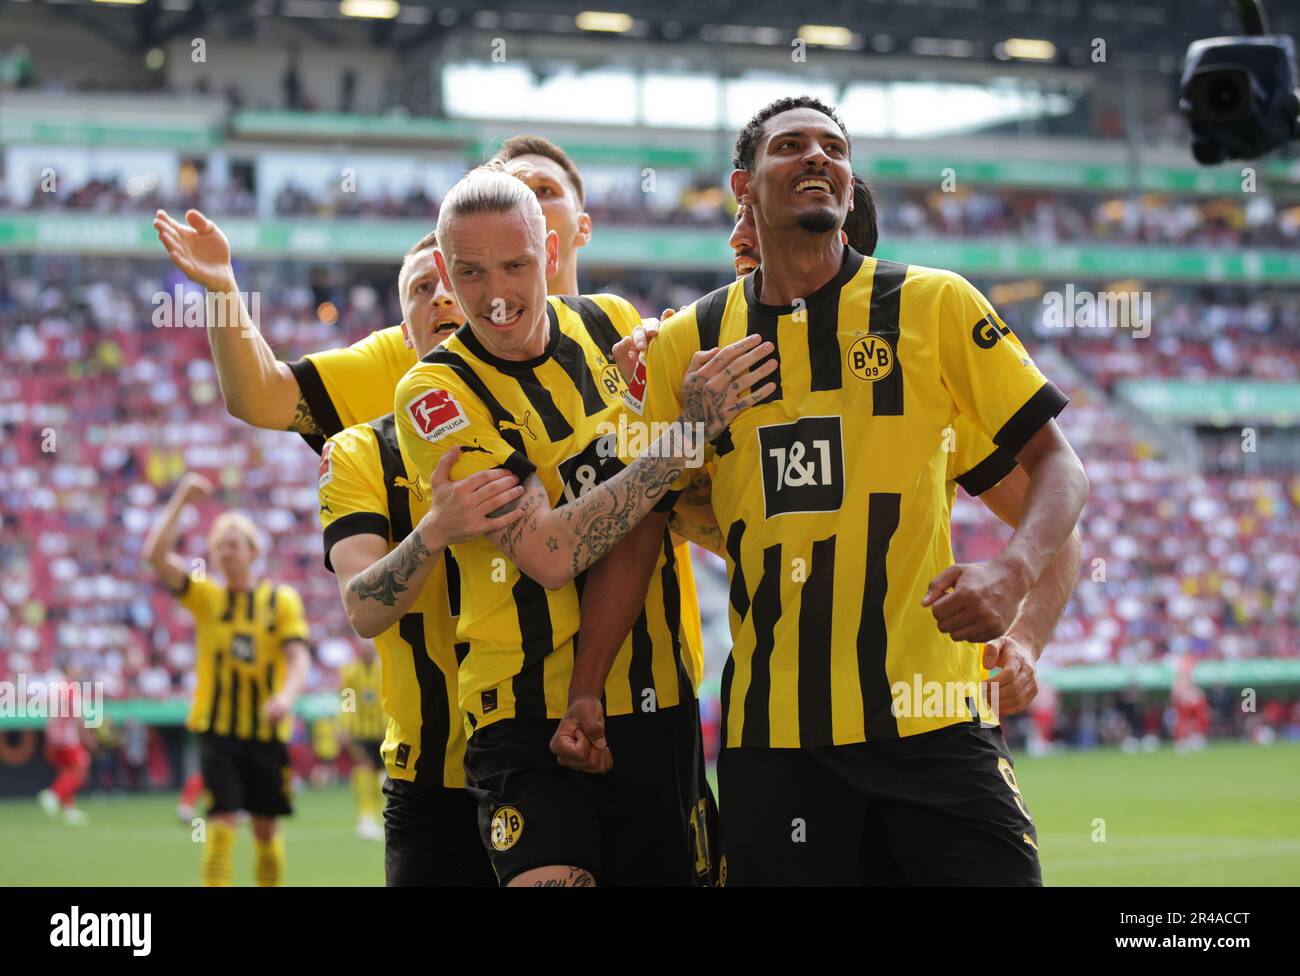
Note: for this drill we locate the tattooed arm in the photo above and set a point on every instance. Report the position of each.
(692, 517)
(554, 545)
(379, 586)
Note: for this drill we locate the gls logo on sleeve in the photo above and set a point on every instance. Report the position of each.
(436, 414)
(803, 466)
(988, 332)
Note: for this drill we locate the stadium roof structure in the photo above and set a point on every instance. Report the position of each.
(1058, 32)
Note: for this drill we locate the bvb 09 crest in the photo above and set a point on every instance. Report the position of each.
(870, 358)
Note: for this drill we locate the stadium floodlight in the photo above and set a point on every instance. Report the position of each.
(370, 9)
(1028, 49)
(1240, 94)
(827, 35)
(121, 3)
(600, 20)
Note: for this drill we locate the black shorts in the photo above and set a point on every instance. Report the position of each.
(366, 752)
(431, 837)
(629, 826)
(940, 808)
(705, 828)
(242, 774)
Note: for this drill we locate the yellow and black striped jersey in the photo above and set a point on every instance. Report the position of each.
(974, 461)
(353, 384)
(543, 415)
(833, 495)
(366, 487)
(362, 713)
(239, 655)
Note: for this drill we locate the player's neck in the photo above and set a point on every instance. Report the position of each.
(801, 264)
(240, 583)
(565, 281)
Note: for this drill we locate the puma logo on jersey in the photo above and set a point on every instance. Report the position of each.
(412, 486)
(522, 426)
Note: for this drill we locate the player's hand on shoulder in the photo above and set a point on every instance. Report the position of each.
(579, 740)
(198, 248)
(1015, 686)
(974, 601)
(720, 383)
(462, 510)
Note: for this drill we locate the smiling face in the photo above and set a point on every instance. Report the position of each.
(560, 205)
(497, 265)
(430, 313)
(802, 176)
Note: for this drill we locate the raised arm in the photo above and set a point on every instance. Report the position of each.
(160, 541)
(554, 545)
(258, 388)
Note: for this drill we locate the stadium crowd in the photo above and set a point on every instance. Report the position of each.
(1033, 216)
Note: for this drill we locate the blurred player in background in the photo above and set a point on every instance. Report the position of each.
(362, 723)
(68, 745)
(386, 532)
(252, 659)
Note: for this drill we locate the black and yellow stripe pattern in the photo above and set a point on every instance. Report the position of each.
(239, 655)
(367, 488)
(543, 416)
(834, 494)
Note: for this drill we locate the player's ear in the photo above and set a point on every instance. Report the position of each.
(406, 335)
(584, 230)
(552, 254)
(740, 179)
(443, 275)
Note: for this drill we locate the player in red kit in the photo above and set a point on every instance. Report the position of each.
(66, 738)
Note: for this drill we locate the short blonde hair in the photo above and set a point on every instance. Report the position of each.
(488, 189)
(425, 243)
(241, 523)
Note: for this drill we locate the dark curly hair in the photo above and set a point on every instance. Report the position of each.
(860, 225)
(743, 155)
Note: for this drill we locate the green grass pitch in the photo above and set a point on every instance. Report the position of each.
(1229, 815)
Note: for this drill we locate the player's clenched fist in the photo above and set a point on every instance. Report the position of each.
(462, 510)
(579, 740)
(720, 383)
(975, 601)
(1016, 683)
(198, 248)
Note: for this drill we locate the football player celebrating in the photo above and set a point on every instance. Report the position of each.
(385, 536)
(832, 501)
(251, 663)
(524, 388)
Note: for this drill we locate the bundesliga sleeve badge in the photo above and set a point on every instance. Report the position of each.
(436, 414)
